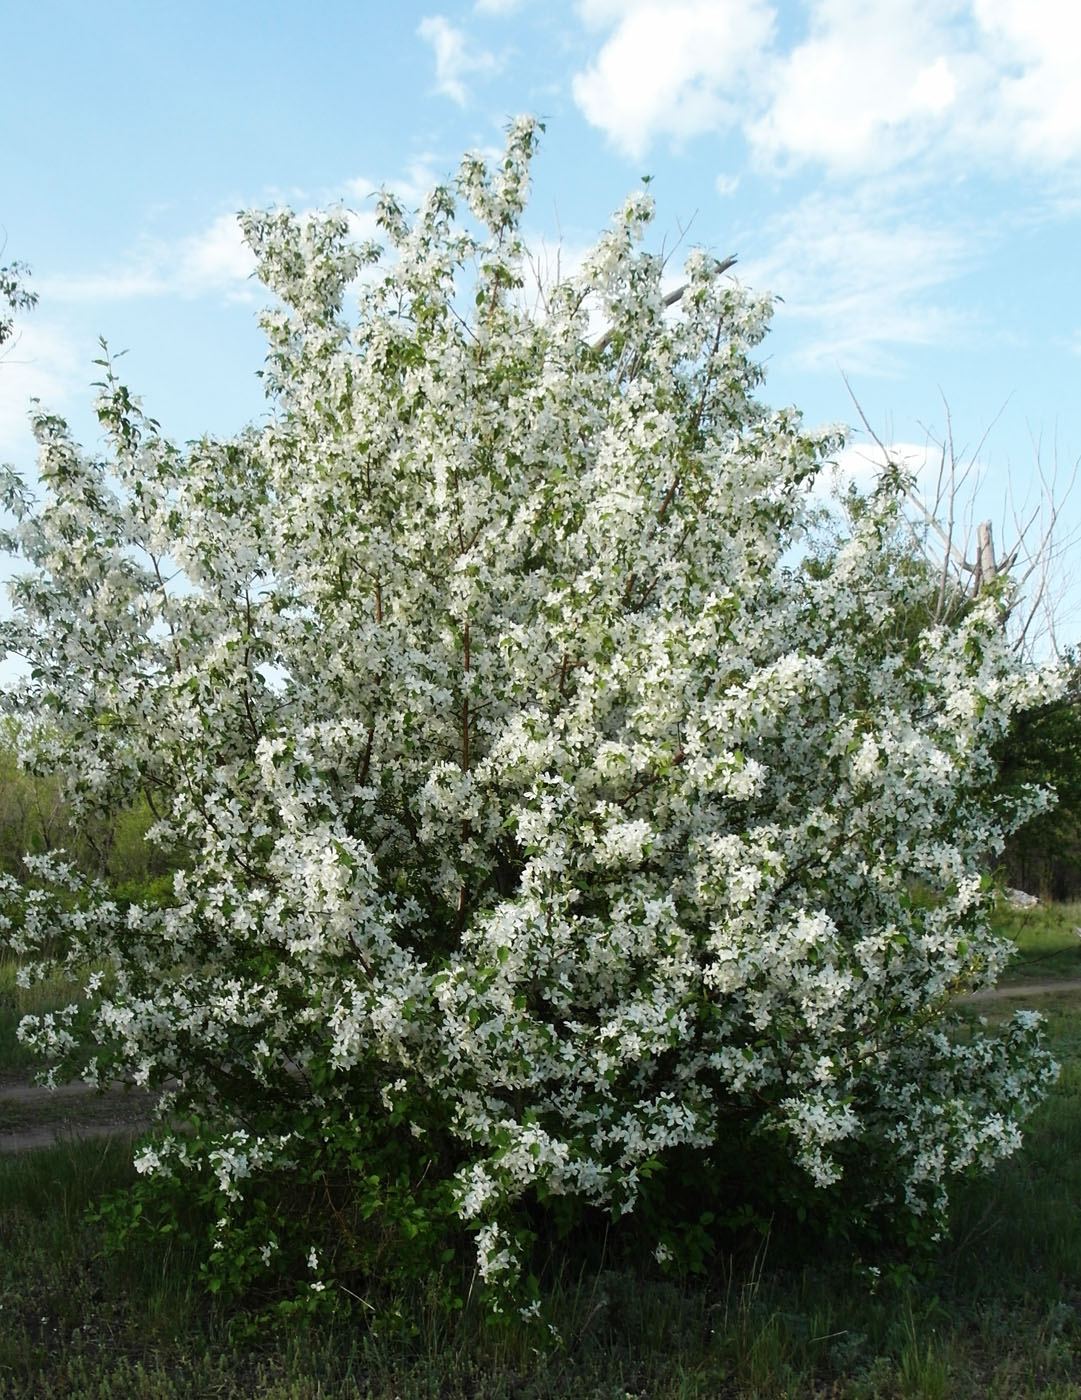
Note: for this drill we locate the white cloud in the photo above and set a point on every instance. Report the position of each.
(672, 67)
(876, 82)
(1038, 47)
(934, 87)
(861, 463)
(215, 260)
(903, 100)
(869, 84)
(600, 12)
(411, 186)
(866, 86)
(453, 61)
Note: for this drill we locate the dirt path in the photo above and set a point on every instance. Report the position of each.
(1018, 991)
(31, 1139)
(32, 1116)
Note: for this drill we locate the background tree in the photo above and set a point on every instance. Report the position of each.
(1044, 747)
(956, 548)
(37, 819)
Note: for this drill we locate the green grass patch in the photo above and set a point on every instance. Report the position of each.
(1046, 939)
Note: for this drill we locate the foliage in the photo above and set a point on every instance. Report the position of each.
(995, 1305)
(1044, 746)
(29, 811)
(547, 832)
(14, 297)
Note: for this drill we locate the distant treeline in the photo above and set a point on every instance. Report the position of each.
(1044, 746)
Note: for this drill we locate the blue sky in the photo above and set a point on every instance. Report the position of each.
(904, 174)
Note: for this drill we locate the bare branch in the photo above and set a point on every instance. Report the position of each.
(963, 556)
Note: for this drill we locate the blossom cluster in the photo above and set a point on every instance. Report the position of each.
(535, 801)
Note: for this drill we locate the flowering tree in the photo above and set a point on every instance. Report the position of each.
(543, 823)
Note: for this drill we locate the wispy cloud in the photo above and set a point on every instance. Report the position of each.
(863, 273)
(454, 60)
(216, 260)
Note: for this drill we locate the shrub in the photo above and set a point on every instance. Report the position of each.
(549, 828)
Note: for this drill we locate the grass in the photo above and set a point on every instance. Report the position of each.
(995, 1315)
(1047, 942)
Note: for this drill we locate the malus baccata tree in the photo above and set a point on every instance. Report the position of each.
(545, 823)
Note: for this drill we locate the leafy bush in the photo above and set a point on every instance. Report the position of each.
(549, 829)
